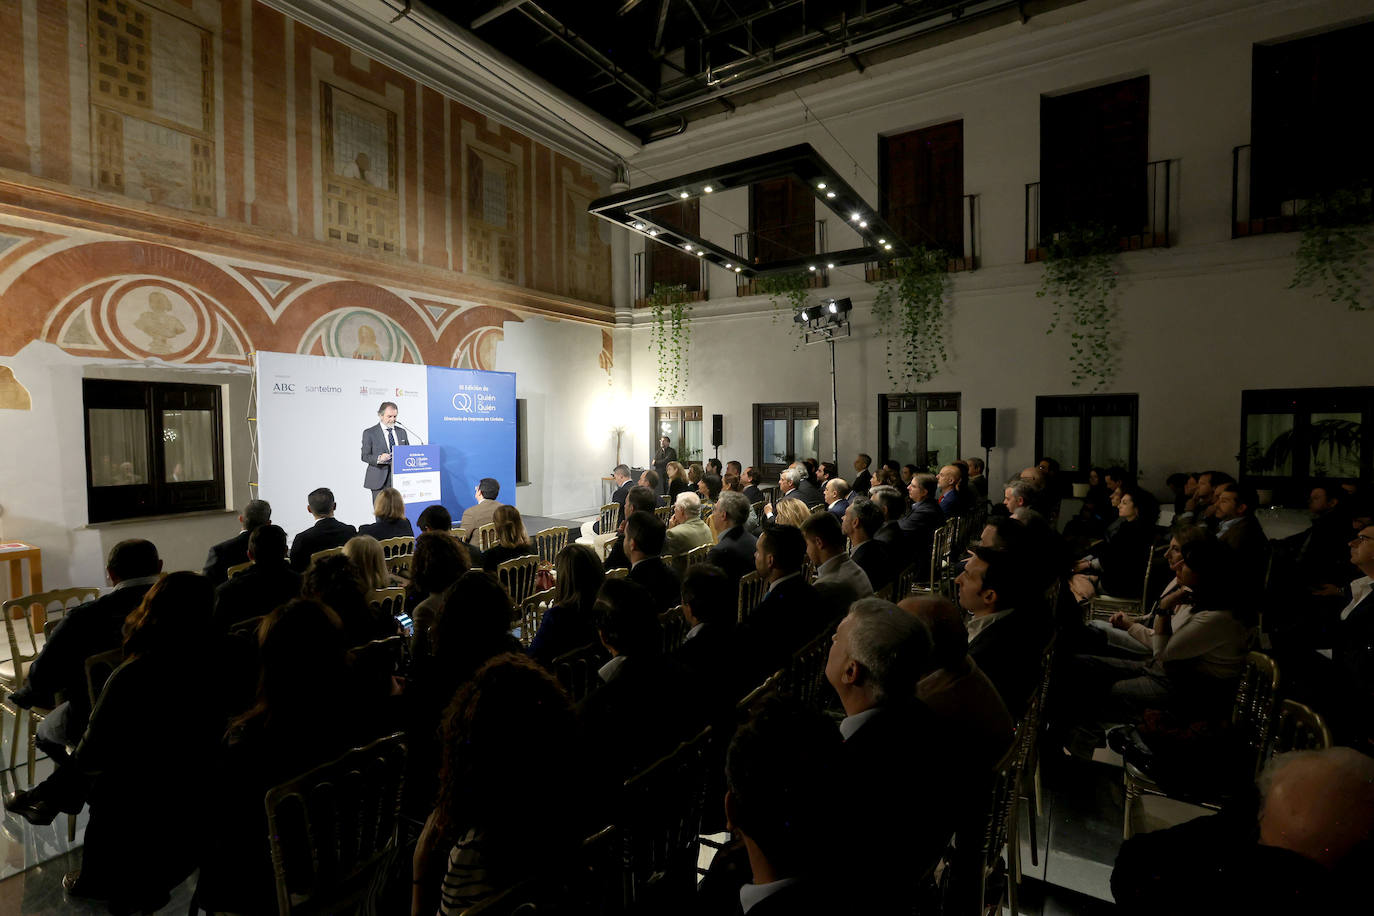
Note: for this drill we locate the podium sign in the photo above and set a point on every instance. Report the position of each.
(415, 473)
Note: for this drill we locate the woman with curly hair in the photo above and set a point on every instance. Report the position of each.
(439, 560)
(488, 830)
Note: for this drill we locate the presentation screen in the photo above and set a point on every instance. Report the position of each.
(313, 410)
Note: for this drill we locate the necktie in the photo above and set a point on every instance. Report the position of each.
(391, 439)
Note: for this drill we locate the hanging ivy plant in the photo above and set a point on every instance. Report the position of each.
(1333, 254)
(1080, 280)
(671, 337)
(794, 290)
(910, 309)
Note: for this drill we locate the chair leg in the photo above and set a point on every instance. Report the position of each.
(1132, 794)
(1034, 837)
(1014, 844)
(14, 738)
(33, 748)
(1035, 776)
(71, 828)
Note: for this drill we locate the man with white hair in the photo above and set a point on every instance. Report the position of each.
(789, 482)
(686, 530)
(807, 491)
(898, 764)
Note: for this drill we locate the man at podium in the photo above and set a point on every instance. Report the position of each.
(379, 443)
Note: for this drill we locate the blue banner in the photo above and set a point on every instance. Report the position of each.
(472, 420)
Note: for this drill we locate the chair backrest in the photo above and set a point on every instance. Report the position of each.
(607, 546)
(752, 587)
(399, 565)
(819, 509)
(769, 687)
(706, 510)
(619, 572)
(395, 547)
(237, 568)
(659, 826)
(675, 628)
(1256, 699)
(885, 592)
(1300, 728)
(333, 830)
(374, 662)
(610, 518)
(972, 876)
(906, 581)
(485, 536)
(758, 508)
(390, 600)
(21, 636)
(805, 673)
(328, 551)
(550, 541)
(698, 554)
(576, 670)
(532, 614)
(98, 670)
(664, 513)
(517, 575)
(459, 532)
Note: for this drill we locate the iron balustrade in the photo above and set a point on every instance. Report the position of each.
(960, 256)
(641, 280)
(747, 250)
(1159, 215)
(1278, 212)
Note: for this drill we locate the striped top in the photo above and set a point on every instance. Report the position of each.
(465, 882)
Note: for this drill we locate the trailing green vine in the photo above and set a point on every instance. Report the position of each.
(910, 311)
(793, 289)
(1333, 254)
(1080, 277)
(671, 338)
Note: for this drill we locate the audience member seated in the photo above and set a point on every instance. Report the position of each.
(791, 613)
(788, 482)
(365, 553)
(60, 671)
(893, 505)
(570, 620)
(956, 690)
(1131, 636)
(640, 499)
(1199, 651)
(623, 484)
(1348, 682)
(1200, 507)
(709, 489)
(836, 495)
(677, 480)
(734, 550)
(649, 478)
(334, 581)
(954, 496)
(861, 522)
(790, 512)
(1017, 494)
(262, 587)
(686, 528)
(308, 712)
(898, 764)
(490, 829)
(750, 479)
(234, 551)
(326, 533)
(472, 626)
(1308, 851)
(644, 537)
(390, 511)
(779, 761)
(732, 467)
(1007, 632)
(138, 783)
(709, 651)
(1318, 552)
(511, 539)
(694, 475)
(1119, 560)
(484, 510)
(644, 707)
(838, 577)
(435, 518)
(806, 490)
(1234, 511)
(977, 479)
(438, 561)
(923, 520)
(863, 477)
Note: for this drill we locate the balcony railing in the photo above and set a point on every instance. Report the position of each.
(749, 246)
(1278, 212)
(1160, 216)
(642, 286)
(962, 255)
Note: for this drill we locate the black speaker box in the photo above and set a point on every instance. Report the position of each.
(989, 427)
(717, 430)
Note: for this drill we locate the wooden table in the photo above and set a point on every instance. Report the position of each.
(14, 553)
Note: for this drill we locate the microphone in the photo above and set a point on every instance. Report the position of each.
(412, 432)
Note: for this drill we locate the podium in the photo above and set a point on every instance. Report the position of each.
(415, 474)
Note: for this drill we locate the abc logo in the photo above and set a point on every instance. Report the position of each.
(283, 388)
(462, 401)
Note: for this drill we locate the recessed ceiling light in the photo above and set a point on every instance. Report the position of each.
(683, 194)
(688, 247)
(888, 247)
(811, 267)
(829, 193)
(830, 267)
(853, 217)
(639, 225)
(738, 269)
(700, 252)
(708, 189)
(833, 307)
(882, 241)
(821, 185)
(653, 232)
(863, 224)
(727, 265)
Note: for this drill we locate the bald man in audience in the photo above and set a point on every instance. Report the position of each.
(1309, 850)
(955, 688)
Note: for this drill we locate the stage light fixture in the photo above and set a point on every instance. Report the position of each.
(653, 232)
(639, 225)
(683, 194)
(829, 193)
(854, 217)
(688, 247)
(820, 185)
(805, 316)
(863, 224)
(811, 267)
(738, 269)
(830, 267)
(882, 241)
(887, 247)
(708, 189)
(700, 252)
(833, 308)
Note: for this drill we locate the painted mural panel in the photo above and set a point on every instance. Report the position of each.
(362, 205)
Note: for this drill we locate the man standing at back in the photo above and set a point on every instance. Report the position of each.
(234, 551)
(327, 531)
(474, 517)
(379, 445)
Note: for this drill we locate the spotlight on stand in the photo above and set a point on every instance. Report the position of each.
(826, 322)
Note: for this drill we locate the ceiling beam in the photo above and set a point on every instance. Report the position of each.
(489, 15)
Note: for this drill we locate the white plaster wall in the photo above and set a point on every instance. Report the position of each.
(1199, 322)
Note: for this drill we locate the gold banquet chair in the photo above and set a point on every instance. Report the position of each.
(485, 536)
(532, 614)
(25, 642)
(317, 555)
(1300, 728)
(610, 518)
(549, 542)
(517, 575)
(698, 554)
(395, 547)
(237, 568)
(389, 600)
(752, 588)
(399, 565)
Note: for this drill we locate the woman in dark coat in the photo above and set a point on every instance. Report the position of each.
(390, 510)
(512, 540)
(570, 622)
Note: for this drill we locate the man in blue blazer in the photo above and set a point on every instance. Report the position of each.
(734, 550)
(379, 443)
(923, 520)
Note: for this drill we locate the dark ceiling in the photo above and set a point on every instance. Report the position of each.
(652, 65)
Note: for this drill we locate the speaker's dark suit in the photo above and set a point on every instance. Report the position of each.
(378, 476)
(324, 534)
(224, 555)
